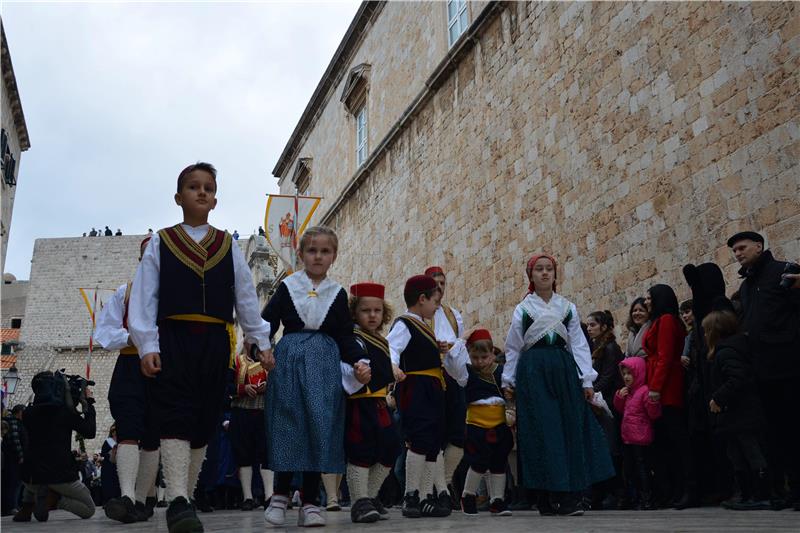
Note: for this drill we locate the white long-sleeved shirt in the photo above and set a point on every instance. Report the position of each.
(109, 331)
(399, 337)
(455, 362)
(143, 306)
(442, 328)
(576, 344)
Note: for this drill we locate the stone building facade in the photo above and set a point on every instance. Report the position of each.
(627, 139)
(14, 142)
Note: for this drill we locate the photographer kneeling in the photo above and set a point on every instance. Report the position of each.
(51, 473)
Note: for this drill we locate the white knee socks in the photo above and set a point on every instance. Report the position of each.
(377, 475)
(415, 468)
(127, 468)
(267, 479)
(148, 471)
(331, 483)
(439, 475)
(246, 477)
(452, 457)
(496, 486)
(357, 482)
(471, 483)
(176, 457)
(197, 456)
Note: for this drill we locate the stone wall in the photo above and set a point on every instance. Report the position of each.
(626, 138)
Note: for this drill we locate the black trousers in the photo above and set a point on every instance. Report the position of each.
(673, 455)
(636, 463)
(188, 394)
(129, 400)
(745, 452)
(780, 411)
(248, 437)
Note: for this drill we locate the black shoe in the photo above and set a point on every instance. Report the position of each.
(685, 502)
(499, 508)
(182, 518)
(750, 505)
(545, 506)
(468, 505)
(248, 505)
(570, 506)
(24, 513)
(411, 508)
(141, 512)
(429, 507)
(121, 509)
(150, 504)
(41, 509)
(363, 512)
(382, 512)
(162, 503)
(445, 504)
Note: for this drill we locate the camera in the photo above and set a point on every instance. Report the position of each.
(790, 268)
(76, 387)
(60, 388)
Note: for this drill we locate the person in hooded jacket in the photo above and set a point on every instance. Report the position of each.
(663, 344)
(736, 408)
(639, 411)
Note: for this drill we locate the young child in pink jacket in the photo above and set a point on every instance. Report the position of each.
(638, 414)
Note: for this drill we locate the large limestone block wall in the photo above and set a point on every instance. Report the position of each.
(626, 138)
(57, 324)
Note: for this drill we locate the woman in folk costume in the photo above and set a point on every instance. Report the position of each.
(305, 402)
(549, 369)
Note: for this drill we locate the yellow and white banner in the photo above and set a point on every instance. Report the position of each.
(285, 221)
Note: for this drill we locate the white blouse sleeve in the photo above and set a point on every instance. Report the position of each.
(109, 332)
(248, 312)
(459, 323)
(455, 362)
(143, 306)
(514, 343)
(398, 338)
(580, 349)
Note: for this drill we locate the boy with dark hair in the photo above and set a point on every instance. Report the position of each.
(420, 393)
(190, 280)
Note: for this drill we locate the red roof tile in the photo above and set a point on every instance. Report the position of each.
(9, 334)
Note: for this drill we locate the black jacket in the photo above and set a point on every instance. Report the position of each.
(609, 378)
(771, 317)
(734, 388)
(49, 458)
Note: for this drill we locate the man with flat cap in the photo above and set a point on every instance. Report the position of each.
(771, 317)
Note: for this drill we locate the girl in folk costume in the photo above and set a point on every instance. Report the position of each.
(372, 441)
(304, 402)
(549, 368)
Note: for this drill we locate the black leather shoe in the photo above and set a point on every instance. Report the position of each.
(121, 509)
(411, 507)
(182, 518)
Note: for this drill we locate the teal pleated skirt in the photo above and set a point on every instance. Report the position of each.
(560, 444)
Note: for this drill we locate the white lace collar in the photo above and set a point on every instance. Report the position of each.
(312, 304)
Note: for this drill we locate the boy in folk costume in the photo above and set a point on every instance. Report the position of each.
(372, 442)
(420, 393)
(137, 435)
(488, 439)
(448, 326)
(248, 438)
(190, 280)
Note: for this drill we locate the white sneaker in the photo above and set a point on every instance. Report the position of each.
(276, 511)
(310, 516)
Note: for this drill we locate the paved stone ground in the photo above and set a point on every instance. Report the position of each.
(692, 520)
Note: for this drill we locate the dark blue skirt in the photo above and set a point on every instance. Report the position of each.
(304, 406)
(560, 444)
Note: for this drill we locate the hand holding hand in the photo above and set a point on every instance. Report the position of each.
(150, 364)
(363, 372)
(588, 393)
(508, 393)
(714, 407)
(399, 375)
(267, 359)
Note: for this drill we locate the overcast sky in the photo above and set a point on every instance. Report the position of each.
(119, 98)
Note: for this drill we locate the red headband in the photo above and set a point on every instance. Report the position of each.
(479, 335)
(374, 290)
(434, 270)
(529, 269)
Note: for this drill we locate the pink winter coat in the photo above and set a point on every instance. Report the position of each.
(638, 411)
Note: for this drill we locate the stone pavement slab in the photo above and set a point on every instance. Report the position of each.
(704, 520)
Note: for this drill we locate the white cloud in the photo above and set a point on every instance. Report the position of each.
(119, 97)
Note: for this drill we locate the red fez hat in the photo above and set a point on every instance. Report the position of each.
(419, 283)
(374, 290)
(434, 270)
(479, 335)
